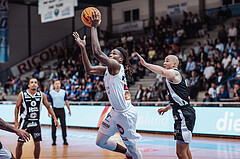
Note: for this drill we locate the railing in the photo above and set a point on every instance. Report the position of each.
(157, 104)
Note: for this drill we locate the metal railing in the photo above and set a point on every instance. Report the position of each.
(106, 103)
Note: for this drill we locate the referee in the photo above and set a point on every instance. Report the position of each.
(58, 99)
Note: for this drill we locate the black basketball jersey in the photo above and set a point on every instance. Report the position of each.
(31, 107)
(178, 93)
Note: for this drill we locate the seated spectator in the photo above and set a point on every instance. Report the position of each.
(220, 45)
(84, 94)
(235, 60)
(214, 91)
(146, 95)
(208, 75)
(139, 94)
(229, 45)
(223, 94)
(208, 39)
(193, 55)
(202, 55)
(226, 61)
(206, 46)
(159, 81)
(236, 92)
(99, 96)
(234, 49)
(191, 65)
(207, 99)
(220, 78)
(211, 51)
(156, 96)
(151, 55)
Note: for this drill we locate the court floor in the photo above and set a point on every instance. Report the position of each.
(153, 146)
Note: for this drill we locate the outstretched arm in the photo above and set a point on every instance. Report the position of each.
(9, 128)
(95, 70)
(97, 52)
(169, 74)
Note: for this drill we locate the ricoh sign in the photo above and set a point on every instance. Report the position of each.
(41, 57)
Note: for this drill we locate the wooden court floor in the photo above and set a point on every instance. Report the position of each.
(82, 145)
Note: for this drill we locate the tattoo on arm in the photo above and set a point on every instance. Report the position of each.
(6, 126)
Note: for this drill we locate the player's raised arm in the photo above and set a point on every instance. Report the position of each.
(95, 70)
(97, 52)
(169, 74)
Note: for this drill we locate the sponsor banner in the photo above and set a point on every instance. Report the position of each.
(41, 57)
(176, 9)
(127, 27)
(51, 10)
(4, 48)
(225, 122)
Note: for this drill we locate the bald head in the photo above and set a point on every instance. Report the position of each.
(173, 59)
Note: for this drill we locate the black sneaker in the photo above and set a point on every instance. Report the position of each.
(54, 143)
(65, 143)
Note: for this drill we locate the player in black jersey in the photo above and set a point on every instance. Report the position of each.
(183, 113)
(30, 102)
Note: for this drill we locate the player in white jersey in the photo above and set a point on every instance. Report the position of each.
(123, 116)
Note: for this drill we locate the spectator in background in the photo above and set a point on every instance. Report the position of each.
(193, 85)
(156, 96)
(229, 45)
(226, 61)
(207, 99)
(99, 96)
(191, 65)
(206, 46)
(222, 34)
(139, 94)
(202, 55)
(211, 51)
(214, 91)
(220, 78)
(235, 60)
(208, 39)
(223, 94)
(228, 12)
(192, 55)
(234, 49)
(220, 45)
(146, 95)
(232, 32)
(236, 92)
(151, 54)
(208, 74)
(197, 47)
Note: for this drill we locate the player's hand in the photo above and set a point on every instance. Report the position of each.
(161, 111)
(142, 61)
(56, 123)
(16, 124)
(80, 42)
(23, 134)
(95, 22)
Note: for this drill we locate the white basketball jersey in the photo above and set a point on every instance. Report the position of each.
(117, 90)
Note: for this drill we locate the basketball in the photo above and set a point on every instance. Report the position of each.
(88, 12)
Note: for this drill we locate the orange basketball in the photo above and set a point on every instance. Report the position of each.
(88, 12)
